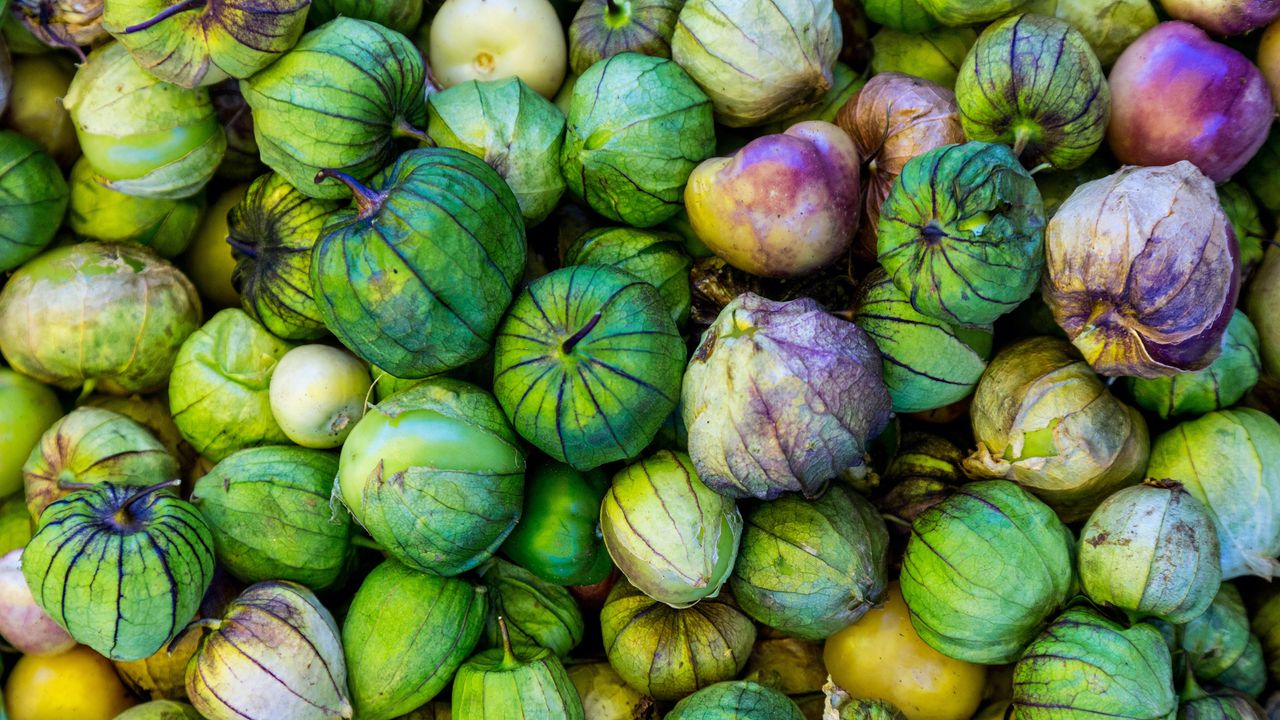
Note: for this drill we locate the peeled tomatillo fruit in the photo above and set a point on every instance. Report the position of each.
(317, 394)
(27, 409)
(495, 39)
(558, 536)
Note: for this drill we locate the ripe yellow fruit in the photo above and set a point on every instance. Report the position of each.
(882, 657)
(78, 683)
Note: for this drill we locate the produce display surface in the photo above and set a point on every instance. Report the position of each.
(639, 359)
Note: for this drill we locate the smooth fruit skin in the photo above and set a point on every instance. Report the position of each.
(317, 395)
(22, 622)
(558, 536)
(495, 39)
(1268, 59)
(27, 409)
(1178, 95)
(209, 261)
(782, 206)
(35, 104)
(78, 684)
(882, 657)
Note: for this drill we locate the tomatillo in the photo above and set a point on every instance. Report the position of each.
(558, 536)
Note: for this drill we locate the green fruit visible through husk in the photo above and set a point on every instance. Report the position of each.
(1052, 112)
(337, 100)
(1109, 25)
(962, 233)
(91, 445)
(667, 653)
(272, 231)
(587, 364)
(122, 569)
(98, 212)
(198, 42)
(1219, 646)
(33, 199)
(908, 16)
(219, 389)
(511, 127)
(268, 510)
(935, 55)
(415, 276)
(169, 151)
(637, 126)
(74, 316)
(984, 570)
(405, 635)
(435, 475)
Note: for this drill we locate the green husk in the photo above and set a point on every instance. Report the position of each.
(1216, 387)
(656, 257)
(740, 699)
(33, 199)
(98, 212)
(537, 613)
(533, 680)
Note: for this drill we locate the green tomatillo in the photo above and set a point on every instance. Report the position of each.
(435, 474)
(99, 212)
(338, 100)
(588, 364)
(144, 136)
(604, 28)
(1216, 387)
(656, 257)
(202, 42)
(33, 199)
(537, 613)
(558, 536)
(532, 679)
(402, 16)
(739, 699)
(27, 409)
(962, 233)
(415, 277)
(1033, 82)
(121, 569)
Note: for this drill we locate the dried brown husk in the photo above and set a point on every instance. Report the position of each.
(62, 23)
(893, 118)
(1143, 271)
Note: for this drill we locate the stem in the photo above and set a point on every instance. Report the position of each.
(1040, 168)
(611, 7)
(1020, 139)
(243, 247)
(73, 486)
(509, 659)
(402, 129)
(149, 490)
(367, 543)
(568, 345)
(367, 201)
(165, 14)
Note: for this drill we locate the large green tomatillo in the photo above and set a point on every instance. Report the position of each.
(1230, 461)
(91, 445)
(758, 62)
(1033, 82)
(219, 391)
(738, 699)
(1150, 550)
(99, 212)
(984, 570)
(1218, 386)
(656, 257)
(1085, 665)
(532, 679)
(962, 233)
(202, 42)
(637, 126)
(337, 100)
(811, 568)
(587, 364)
(928, 364)
(272, 231)
(268, 510)
(781, 397)
(435, 475)
(558, 537)
(673, 537)
(667, 653)
(511, 127)
(144, 136)
(1044, 419)
(275, 653)
(416, 275)
(402, 16)
(27, 409)
(121, 569)
(536, 612)
(405, 635)
(75, 316)
(33, 199)
(1219, 647)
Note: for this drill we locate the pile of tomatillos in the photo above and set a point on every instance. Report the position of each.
(639, 359)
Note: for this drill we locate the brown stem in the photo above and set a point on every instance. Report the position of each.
(165, 14)
(509, 659)
(149, 490)
(368, 202)
(402, 129)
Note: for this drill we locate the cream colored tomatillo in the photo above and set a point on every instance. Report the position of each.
(317, 394)
(495, 39)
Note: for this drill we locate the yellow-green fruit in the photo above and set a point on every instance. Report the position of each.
(27, 409)
(318, 393)
(35, 105)
(209, 261)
